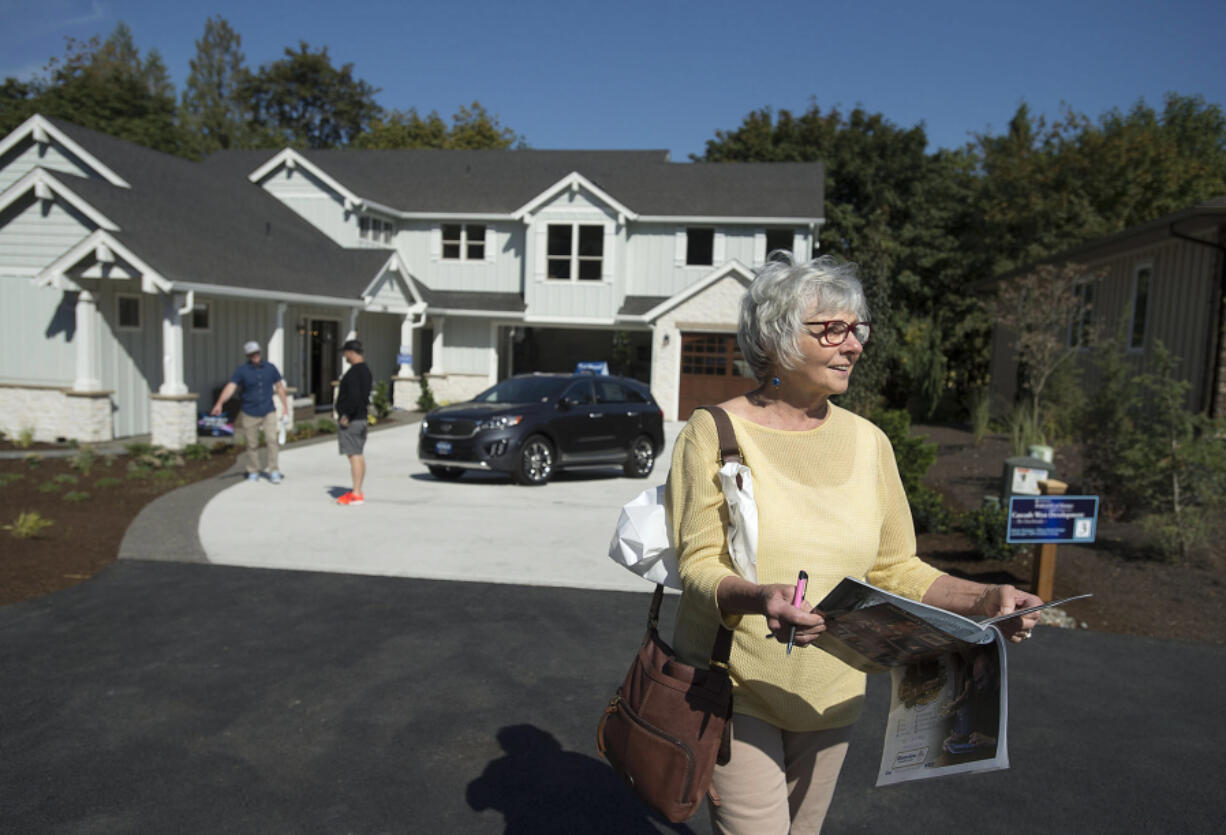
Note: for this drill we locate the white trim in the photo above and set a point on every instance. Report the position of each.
(393, 264)
(572, 181)
(38, 128)
(291, 158)
(266, 295)
(570, 320)
(734, 220)
(608, 240)
(39, 179)
(732, 268)
(460, 312)
(54, 274)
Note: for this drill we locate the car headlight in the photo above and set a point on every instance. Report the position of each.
(500, 422)
(424, 425)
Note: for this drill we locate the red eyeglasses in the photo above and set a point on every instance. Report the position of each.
(834, 331)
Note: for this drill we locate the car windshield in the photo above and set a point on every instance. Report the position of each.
(523, 390)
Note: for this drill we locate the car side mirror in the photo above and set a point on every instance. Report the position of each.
(565, 403)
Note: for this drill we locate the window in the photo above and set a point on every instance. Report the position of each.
(574, 252)
(375, 229)
(699, 246)
(608, 391)
(778, 239)
(1079, 328)
(1140, 307)
(464, 241)
(200, 316)
(580, 394)
(127, 312)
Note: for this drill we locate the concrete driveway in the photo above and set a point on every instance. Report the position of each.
(482, 528)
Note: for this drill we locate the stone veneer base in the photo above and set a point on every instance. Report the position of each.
(53, 413)
(172, 418)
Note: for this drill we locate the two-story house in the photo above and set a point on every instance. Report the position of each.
(129, 279)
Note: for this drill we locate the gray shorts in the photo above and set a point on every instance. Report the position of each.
(352, 438)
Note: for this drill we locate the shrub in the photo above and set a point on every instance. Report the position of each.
(65, 478)
(425, 400)
(33, 460)
(139, 473)
(164, 475)
(979, 409)
(106, 482)
(76, 496)
(196, 452)
(48, 487)
(28, 525)
(25, 438)
(380, 400)
(138, 448)
(325, 426)
(987, 527)
(8, 478)
(1025, 428)
(84, 461)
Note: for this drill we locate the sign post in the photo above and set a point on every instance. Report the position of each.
(1049, 519)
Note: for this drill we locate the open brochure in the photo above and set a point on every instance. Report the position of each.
(948, 690)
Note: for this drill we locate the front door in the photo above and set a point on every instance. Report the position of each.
(325, 359)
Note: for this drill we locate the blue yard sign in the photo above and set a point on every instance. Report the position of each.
(1043, 519)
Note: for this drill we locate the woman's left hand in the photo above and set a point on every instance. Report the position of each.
(1001, 600)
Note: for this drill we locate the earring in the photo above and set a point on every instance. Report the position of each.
(775, 381)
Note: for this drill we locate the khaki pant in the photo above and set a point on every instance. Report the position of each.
(250, 426)
(777, 781)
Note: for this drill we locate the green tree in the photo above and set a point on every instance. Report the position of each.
(896, 210)
(213, 112)
(104, 85)
(304, 101)
(472, 128)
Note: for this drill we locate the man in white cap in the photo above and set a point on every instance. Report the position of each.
(258, 381)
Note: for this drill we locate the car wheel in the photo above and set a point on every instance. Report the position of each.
(446, 473)
(641, 459)
(535, 463)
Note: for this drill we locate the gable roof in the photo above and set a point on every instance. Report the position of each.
(434, 182)
(194, 227)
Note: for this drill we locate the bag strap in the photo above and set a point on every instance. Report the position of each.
(729, 450)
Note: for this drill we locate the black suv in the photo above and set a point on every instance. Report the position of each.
(532, 425)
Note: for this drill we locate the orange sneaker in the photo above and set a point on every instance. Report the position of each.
(351, 498)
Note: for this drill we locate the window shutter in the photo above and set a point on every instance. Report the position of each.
(798, 246)
(538, 255)
(491, 243)
(679, 249)
(759, 246)
(717, 255)
(606, 257)
(436, 242)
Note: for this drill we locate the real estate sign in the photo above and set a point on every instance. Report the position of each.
(1041, 519)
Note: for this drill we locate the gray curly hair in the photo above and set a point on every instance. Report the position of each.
(782, 296)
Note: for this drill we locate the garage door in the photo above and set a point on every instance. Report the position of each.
(712, 370)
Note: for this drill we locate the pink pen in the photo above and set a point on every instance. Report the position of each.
(801, 581)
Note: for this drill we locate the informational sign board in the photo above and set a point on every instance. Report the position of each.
(404, 359)
(592, 368)
(1054, 519)
(1026, 480)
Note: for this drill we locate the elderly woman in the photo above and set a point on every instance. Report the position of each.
(831, 503)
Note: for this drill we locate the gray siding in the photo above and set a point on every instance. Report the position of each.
(319, 205)
(33, 233)
(27, 155)
(419, 245)
(131, 359)
(380, 335)
(37, 327)
(467, 346)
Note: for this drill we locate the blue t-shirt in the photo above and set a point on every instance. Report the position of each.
(256, 383)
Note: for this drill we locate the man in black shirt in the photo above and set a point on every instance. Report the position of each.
(351, 398)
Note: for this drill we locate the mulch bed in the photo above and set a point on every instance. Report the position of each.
(85, 535)
(1132, 595)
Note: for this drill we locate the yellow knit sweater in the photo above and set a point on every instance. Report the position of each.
(830, 502)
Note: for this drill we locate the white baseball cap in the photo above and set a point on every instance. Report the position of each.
(252, 347)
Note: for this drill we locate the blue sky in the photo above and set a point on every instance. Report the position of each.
(669, 73)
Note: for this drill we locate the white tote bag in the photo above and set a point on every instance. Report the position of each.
(641, 541)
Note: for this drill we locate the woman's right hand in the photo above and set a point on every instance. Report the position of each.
(781, 615)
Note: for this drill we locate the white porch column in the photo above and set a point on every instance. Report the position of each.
(172, 345)
(276, 342)
(436, 360)
(89, 361)
(352, 333)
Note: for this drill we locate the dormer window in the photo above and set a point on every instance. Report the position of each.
(375, 229)
(463, 241)
(575, 251)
